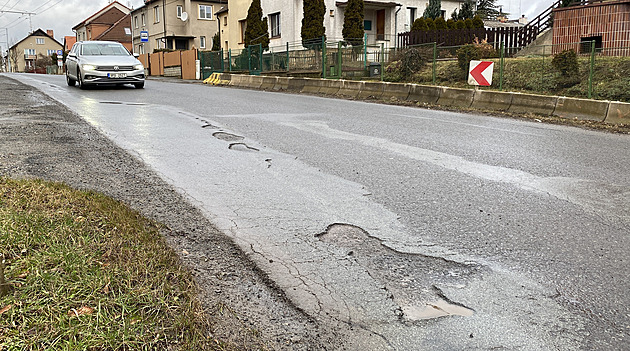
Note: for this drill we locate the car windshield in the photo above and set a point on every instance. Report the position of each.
(104, 50)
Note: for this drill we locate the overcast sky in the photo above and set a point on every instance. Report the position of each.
(62, 15)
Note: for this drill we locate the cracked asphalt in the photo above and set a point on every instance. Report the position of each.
(367, 219)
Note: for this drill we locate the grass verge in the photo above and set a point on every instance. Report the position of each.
(86, 272)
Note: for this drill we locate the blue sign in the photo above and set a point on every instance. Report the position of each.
(59, 52)
(144, 36)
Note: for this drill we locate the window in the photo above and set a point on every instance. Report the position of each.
(51, 52)
(243, 25)
(202, 41)
(157, 43)
(205, 12)
(40, 41)
(225, 21)
(29, 52)
(135, 21)
(274, 21)
(587, 42)
(180, 9)
(144, 22)
(412, 15)
(367, 25)
(156, 14)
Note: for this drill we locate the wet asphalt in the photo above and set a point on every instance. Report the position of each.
(374, 216)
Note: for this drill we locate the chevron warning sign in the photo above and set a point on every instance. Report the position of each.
(480, 73)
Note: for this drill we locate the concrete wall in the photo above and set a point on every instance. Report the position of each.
(487, 100)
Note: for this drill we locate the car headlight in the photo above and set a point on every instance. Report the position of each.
(88, 67)
(138, 67)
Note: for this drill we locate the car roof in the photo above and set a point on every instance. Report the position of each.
(97, 42)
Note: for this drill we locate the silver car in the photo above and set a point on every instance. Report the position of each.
(103, 62)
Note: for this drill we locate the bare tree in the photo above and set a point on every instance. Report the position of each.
(13, 56)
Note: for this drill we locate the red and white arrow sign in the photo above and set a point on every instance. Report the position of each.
(480, 73)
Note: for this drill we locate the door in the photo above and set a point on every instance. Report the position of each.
(380, 25)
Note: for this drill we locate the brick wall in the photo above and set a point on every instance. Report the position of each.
(610, 20)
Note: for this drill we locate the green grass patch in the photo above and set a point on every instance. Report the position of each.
(611, 77)
(86, 272)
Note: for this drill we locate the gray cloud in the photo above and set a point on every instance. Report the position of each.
(58, 15)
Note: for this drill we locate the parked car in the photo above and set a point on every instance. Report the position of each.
(103, 63)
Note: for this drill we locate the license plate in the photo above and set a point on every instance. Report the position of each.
(116, 75)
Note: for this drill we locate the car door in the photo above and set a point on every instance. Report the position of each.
(71, 61)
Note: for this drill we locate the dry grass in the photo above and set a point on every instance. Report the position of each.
(88, 273)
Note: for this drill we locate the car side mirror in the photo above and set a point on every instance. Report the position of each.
(136, 55)
(72, 54)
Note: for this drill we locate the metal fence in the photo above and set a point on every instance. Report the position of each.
(328, 59)
(602, 73)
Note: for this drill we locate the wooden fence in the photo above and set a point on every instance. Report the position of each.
(509, 36)
(180, 64)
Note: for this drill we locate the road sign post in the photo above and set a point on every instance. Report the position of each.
(480, 73)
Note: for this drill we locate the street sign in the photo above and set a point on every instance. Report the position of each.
(480, 73)
(60, 63)
(144, 36)
(59, 52)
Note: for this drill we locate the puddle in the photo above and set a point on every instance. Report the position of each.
(226, 136)
(436, 309)
(111, 102)
(242, 147)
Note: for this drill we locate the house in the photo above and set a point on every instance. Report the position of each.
(383, 19)
(174, 24)
(68, 41)
(607, 24)
(113, 22)
(30, 52)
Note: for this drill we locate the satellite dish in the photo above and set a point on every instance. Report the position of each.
(184, 16)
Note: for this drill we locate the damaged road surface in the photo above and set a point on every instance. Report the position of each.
(394, 227)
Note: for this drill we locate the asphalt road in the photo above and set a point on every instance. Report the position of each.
(382, 217)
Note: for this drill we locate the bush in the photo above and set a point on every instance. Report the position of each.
(469, 23)
(406, 63)
(460, 24)
(477, 22)
(440, 23)
(419, 25)
(566, 64)
(475, 51)
(430, 23)
(451, 24)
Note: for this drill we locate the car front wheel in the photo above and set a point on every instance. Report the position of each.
(69, 80)
(139, 85)
(80, 80)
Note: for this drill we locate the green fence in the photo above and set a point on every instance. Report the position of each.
(329, 59)
(600, 74)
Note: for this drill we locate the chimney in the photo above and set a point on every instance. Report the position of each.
(50, 32)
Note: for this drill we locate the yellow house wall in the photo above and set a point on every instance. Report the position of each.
(31, 43)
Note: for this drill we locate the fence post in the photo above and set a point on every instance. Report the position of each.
(222, 62)
(365, 36)
(339, 58)
(323, 57)
(434, 62)
(501, 67)
(591, 71)
(200, 56)
(382, 59)
(249, 59)
(229, 60)
(288, 56)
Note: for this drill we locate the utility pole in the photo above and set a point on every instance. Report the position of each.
(30, 21)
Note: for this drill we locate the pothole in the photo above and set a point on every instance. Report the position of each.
(227, 136)
(411, 279)
(437, 309)
(242, 147)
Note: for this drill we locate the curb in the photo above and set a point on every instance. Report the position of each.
(612, 112)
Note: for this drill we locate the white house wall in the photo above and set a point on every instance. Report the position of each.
(397, 19)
